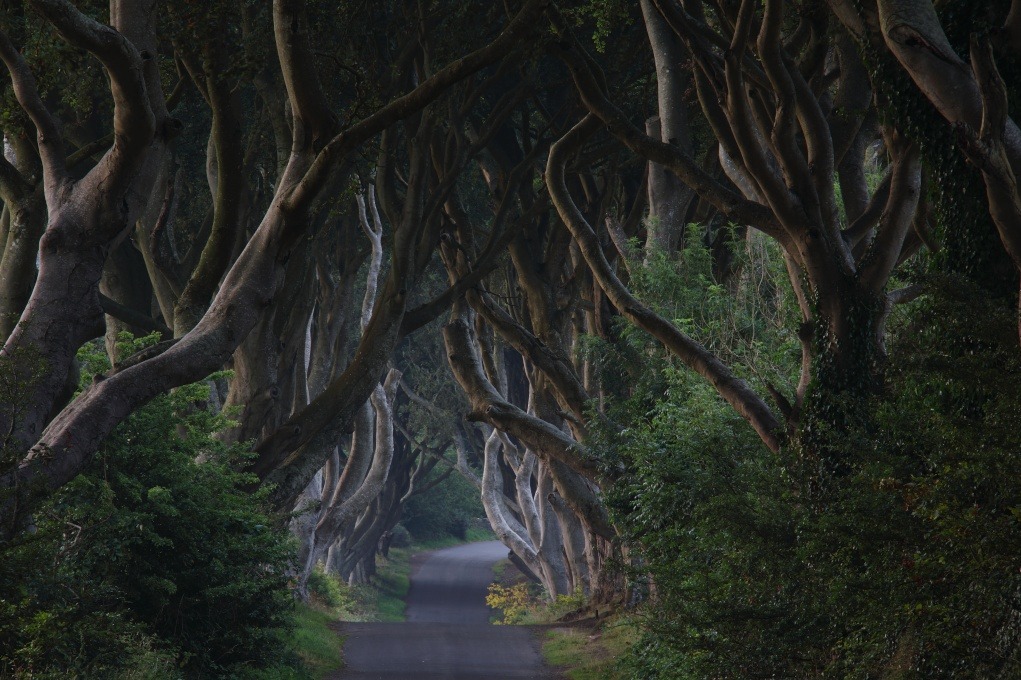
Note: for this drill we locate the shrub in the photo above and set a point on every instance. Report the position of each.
(521, 603)
(904, 563)
(400, 537)
(148, 552)
(514, 601)
(327, 592)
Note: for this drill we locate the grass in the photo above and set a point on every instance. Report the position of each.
(316, 645)
(500, 570)
(473, 535)
(383, 599)
(584, 650)
(586, 653)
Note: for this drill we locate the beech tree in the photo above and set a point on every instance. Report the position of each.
(298, 192)
(88, 216)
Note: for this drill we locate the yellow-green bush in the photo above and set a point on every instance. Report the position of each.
(514, 601)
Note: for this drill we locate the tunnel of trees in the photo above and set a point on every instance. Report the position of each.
(713, 303)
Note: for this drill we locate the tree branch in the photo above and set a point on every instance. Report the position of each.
(489, 405)
(51, 148)
(669, 156)
(734, 390)
(517, 30)
(134, 121)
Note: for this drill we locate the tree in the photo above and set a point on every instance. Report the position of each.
(83, 227)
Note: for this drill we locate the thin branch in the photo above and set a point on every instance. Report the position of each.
(51, 148)
(134, 122)
(414, 101)
(685, 167)
(901, 205)
(734, 390)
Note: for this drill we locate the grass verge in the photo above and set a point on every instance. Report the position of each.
(586, 649)
(383, 599)
(315, 644)
(589, 652)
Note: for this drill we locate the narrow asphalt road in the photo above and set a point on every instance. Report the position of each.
(447, 635)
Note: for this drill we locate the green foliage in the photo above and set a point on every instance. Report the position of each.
(740, 319)
(148, 556)
(953, 428)
(907, 564)
(328, 593)
(315, 643)
(526, 603)
(51, 59)
(606, 16)
(746, 321)
(20, 368)
(384, 598)
(699, 505)
(589, 655)
(445, 510)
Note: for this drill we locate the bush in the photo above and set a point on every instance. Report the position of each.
(514, 601)
(523, 603)
(400, 537)
(327, 592)
(148, 555)
(904, 563)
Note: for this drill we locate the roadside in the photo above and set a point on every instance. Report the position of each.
(589, 649)
(447, 632)
(579, 648)
(384, 597)
(315, 636)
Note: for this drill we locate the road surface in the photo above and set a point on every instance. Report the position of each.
(447, 635)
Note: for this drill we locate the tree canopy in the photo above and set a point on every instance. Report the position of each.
(711, 302)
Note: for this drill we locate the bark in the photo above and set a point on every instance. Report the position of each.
(328, 529)
(126, 282)
(154, 236)
(691, 173)
(227, 185)
(988, 149)
(25, 214)
(292, 454)
(556, 574)
(573, 538)
(669, 198)
(507, 529)
(368, 463)
(769, 110)
(553, 362)
(86, 217)
(488, 405)
(914, 36)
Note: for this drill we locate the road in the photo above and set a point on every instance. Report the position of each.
(447, 635)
